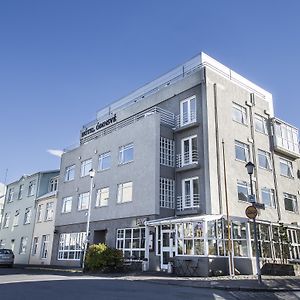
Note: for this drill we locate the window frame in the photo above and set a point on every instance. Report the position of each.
(294, 202)
(190, 118)
(245, 149)
(289, 164)
(101, 158)
(31, 188)
(83, 201)
(85, 167)
(267, 157)
(263, 121)
(243, 111)
(120, 192)
(69, 170)
(65, 200)
(122, 151)
(271, 193)
(98, 196)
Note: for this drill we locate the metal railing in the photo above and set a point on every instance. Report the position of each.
(188, 202)
(185, 119)
(188, 158)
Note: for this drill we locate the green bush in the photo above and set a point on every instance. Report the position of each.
(99, 257)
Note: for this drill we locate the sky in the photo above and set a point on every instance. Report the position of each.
(63, 60)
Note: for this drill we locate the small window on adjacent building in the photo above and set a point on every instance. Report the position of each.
(260, 124)
(124, 192)
(239, 114)
(49, 211)
(45, 246)
(242, 151)
(268, 198)
(286, 168)
(66, 205)
(243, 189)
(264, 159)
(23, 245)
(16, 218)
(126, 154)
(31, 188)
(104, 161)
(83, 201)
(20, 194)
(39, 213)
(6, 220)
(290, 202)
(102, 196)
(70, 173)
(86, 166)
(27, 216)
(34, 245)
(10, 196)
(53, 184)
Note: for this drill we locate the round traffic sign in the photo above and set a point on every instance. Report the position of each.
(251, 212)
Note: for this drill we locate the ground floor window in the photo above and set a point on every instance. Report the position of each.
(131, 241)
(45, 246)
(71, 245)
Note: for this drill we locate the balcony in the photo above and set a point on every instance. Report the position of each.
(185, 119)
(285, 139)
(188, 202)
(187, 159)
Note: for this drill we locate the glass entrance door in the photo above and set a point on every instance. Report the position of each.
(167, 247)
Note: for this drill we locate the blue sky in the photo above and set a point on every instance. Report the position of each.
(62, 60)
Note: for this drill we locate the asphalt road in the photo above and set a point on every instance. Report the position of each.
(20, 284)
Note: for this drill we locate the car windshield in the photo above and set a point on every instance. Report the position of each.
(5, 251)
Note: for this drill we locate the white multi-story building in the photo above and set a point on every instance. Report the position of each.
(2, 198)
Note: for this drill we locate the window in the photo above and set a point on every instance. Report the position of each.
(45, 246)
(294, 239)
(10, 196)
(264, 159)
(239, 114)
(70, 173)
(39, 213)
(49, 211)
(242, 151)
(126, 154)
(239, 238)
(86, 166)
(286, 168)
(6, 220)
(190, 193)
(189, 152)
(71, 246)
(243, 189)
(16, 218)
(290, 202)
(131, 241)
(35, 243)
(167, 149)
(264, 240)
(104, 161)
(287, 136)
(167, 193)
(2, 244)
(20, 194)
(268, 198)
(23, 245)
(83, 201)
(27, 216)
(188, 111)
(67, 205)
(124, 192)
(260, 124)
(31, 188)
(53, 184)
(102, 196)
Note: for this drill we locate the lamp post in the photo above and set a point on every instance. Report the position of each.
(87, 238)
(250, 169)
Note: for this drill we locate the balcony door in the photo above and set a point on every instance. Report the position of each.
(188, 111)
(190, 192)
(189, 150)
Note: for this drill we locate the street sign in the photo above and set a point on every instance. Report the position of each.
(259, 205)
(251, 212)
(251, 198)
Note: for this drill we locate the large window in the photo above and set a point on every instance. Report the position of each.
(6, 220)
(268, 197)
(264, 159)
(20, 193)
(49, 211)
(294, 239)
(10, 196)
(126, 154)
(66, 205)
(70, 173)
(86, 166)
(243, 189)
(167, 149)
(286, 168)
(23, 245)
(242, 151)
(189, 152)
(53, 184)
(16, 218)
(167, 193)
(239, 114)
(104, 161)
(264, 240)
(71, 246)
(132, 242)
(287, 136)
(27, 217)
(188, 112)
(290, 202)
(45, 246)
(239, 238)
(83, 201)
(102, 196)
(260, 124)
(124, 192)
(31, 188)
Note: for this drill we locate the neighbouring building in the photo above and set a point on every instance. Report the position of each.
(170, 163)
(2, 198)
(19, 213)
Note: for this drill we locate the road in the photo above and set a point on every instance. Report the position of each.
(20, 284)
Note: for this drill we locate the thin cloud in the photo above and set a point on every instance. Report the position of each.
(55, 152)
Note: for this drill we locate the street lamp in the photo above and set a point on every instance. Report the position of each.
(87, 238)
(250, 169)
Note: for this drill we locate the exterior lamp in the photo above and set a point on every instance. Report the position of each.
(250, 167)
(92, 174)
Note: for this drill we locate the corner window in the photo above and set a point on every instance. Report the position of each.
(83, 201)
(286, 168)
(10, 196)
(31, 188)
(264, 159)
(126, 154)
(243, 189)
(260, 124)
(86, 166)
(27, 216)
(20, 194)
(188, 111)
(290, 202)
(70, 173)
(268, 198)
(124, 192)
(239, 114)
(104, 161)
(66, 205)
(102, 197)
(242, 151)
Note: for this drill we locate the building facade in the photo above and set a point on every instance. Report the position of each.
(2, 198)
(170, 175)
(20, 212)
